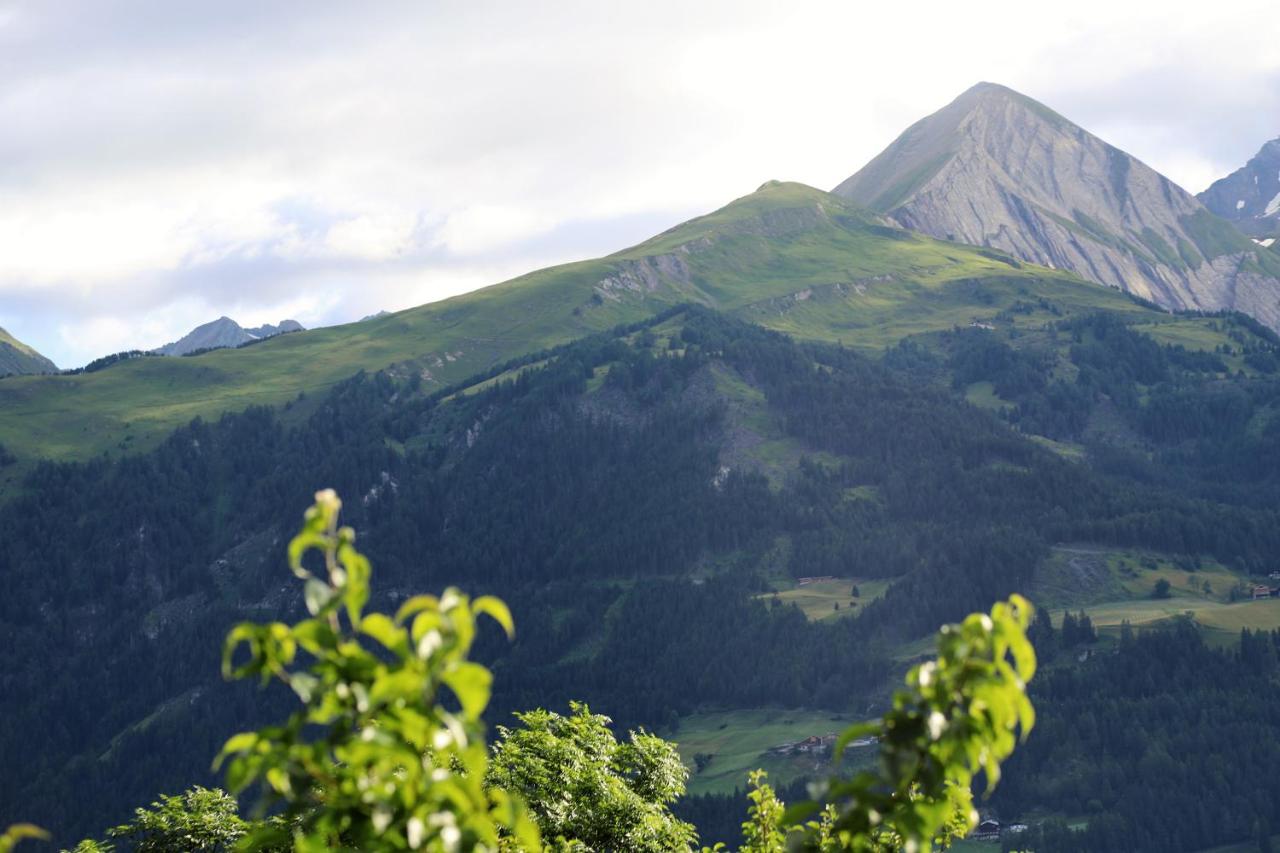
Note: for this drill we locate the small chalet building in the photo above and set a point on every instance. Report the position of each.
(812, 745)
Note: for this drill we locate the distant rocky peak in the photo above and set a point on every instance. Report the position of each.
(225, 332)
(996, 168)
(1250, 196)
(267, 331)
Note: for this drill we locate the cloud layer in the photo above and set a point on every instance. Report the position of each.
(166, 163)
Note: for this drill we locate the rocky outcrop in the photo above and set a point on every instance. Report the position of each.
(225, 332)
(996, 168)
(644, 275)
(1250, 196)
(16, 358)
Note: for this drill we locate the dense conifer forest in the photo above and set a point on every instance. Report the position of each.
(1161, 743)
(602, 490)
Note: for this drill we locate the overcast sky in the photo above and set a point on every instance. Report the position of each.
(163, 163)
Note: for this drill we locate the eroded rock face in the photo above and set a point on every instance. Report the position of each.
(645, 275)
(1250, 196)
(995, 168)
(672, 269)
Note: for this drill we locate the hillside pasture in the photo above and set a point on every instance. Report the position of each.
(818, 600)
(1115, 586)
(738, 742)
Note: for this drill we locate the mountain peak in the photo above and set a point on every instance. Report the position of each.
(1250, 196)
(914, 158)
(994, 96)
(986, 89)
(997, 168)
(225, 332)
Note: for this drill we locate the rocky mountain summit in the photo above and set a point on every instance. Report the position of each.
(18, 358)
(1250, 196)
(225, 332)
(996, 168)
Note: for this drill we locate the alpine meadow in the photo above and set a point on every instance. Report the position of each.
(937, 509)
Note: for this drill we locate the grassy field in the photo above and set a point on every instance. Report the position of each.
(739, 740)
(787, 256)
(1115, 586)
(818, 600)
(1065, 449)
(983, 395)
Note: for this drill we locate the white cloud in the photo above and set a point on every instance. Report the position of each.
(477, 228)
(164, 164)
(373, 237)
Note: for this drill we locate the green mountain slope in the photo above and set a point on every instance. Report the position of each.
(17, 358)
(787, 256)
(614, 495)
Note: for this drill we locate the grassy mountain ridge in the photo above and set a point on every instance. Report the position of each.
(771, 256)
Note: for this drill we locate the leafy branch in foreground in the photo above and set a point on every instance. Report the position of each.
(19, 831)
(959, 715)
(374, 760)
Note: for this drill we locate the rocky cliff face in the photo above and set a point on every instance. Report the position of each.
(996, 168)
(1250, 196)
(18, 358)
(225, 332)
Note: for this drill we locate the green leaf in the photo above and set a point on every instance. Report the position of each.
(356, 591)
(18, 832)
(797, 812)
(246, 633)
(470, 682)
(242, 742)
(401, 684)
(416, 604)
(853, 733)
(382, 629)
(239, 774)
(304, 685)
(267, 836)
(299, 546)
(315, 635)
(277, 778)
(497, 609)
(318, 594)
